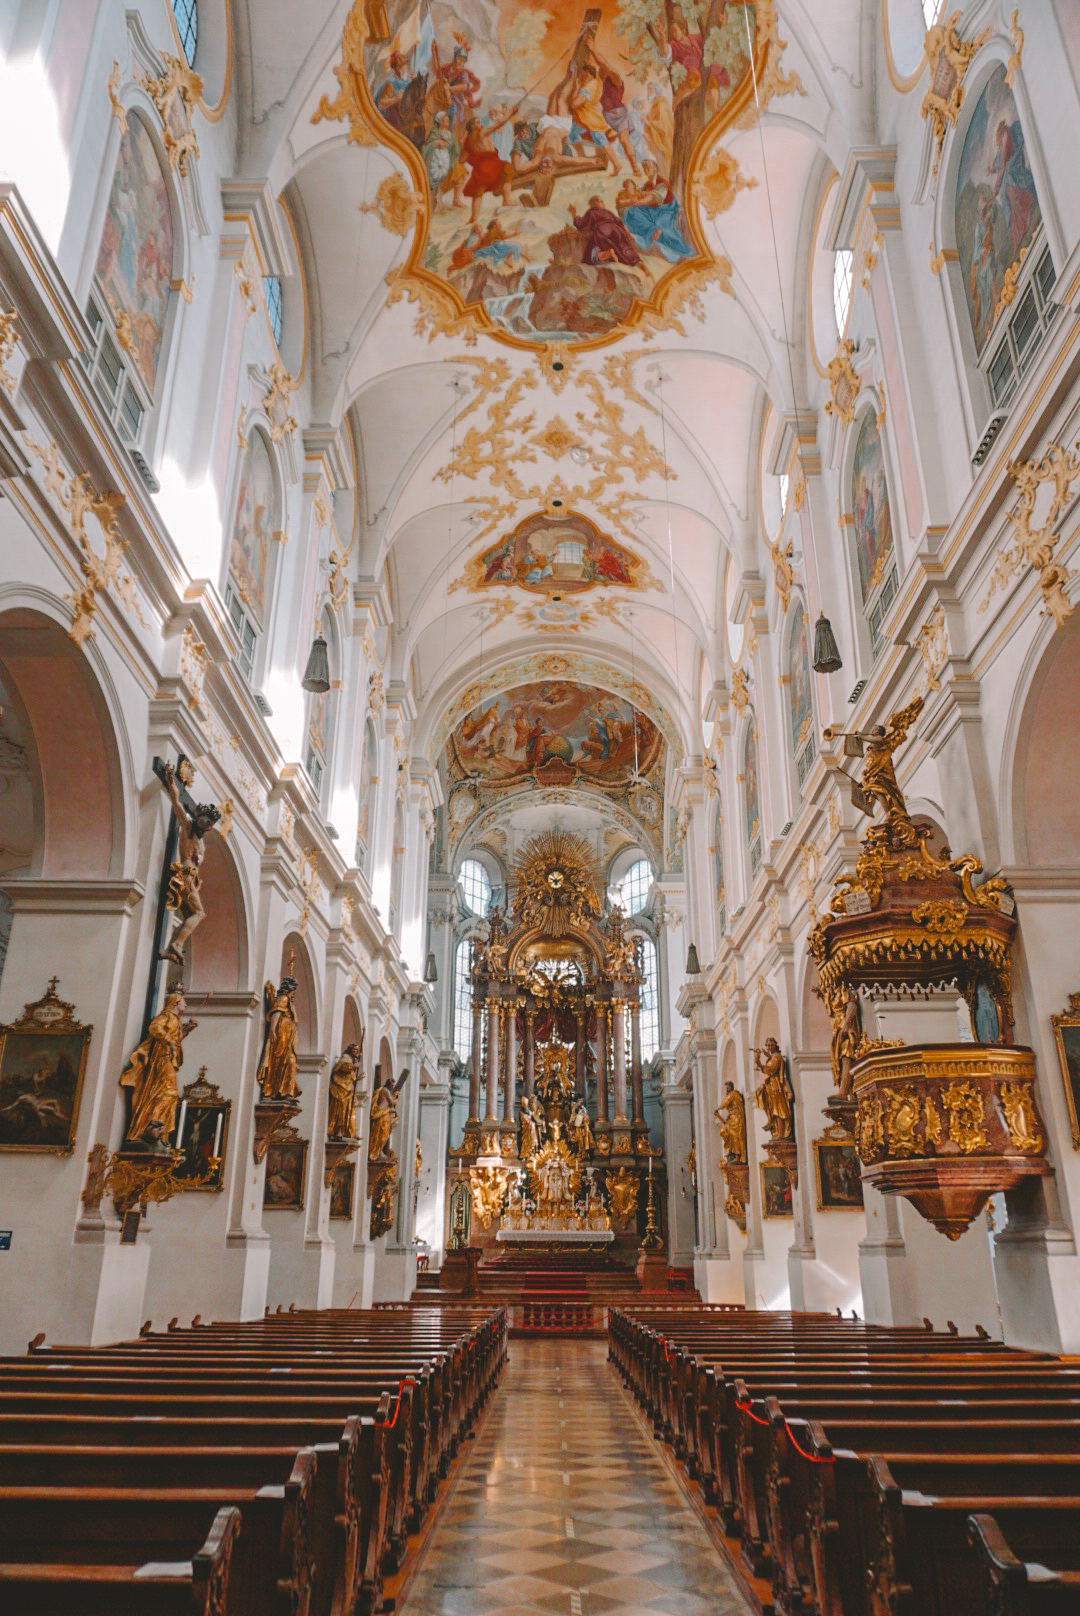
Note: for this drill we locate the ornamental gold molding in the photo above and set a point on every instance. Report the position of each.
(9, 337)
(79, 499)
(488, 1186)
(843, 383)
(276, 402)
(774, 81)
(1031, 546)
(396, 205)
(719, 180)
(1016, 36)
(783, 572)
(245, 280)
(933, 646)
(350, 72)
(194, 661)
(112, 84)
(176, 93)
(949, 57)
(740, 690)
(870, 258)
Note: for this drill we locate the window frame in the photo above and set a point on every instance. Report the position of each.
(129, 380)
(843, 265)
(185, 15)
(1029, 286)
(273, 297)
(472, 863)
(463, 998)
(649, 998)
(620, 886)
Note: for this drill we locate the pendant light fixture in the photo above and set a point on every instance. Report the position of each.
(827, 657)
(692, 966)
(317, 672)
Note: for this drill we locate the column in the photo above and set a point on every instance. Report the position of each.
(579, 1055)
(494, 1010)
(618, 1013)
(635, 1065)
(474, 1070)
(510, 1092)
(530, 1051)
(602, 1063)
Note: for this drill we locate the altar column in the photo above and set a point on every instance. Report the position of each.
(530, 1051)
(635, 1065)
(602, 1064)
(474, 1070)
(618, 1014)
(494, 1011)
(579, 1055)
(510, 1093)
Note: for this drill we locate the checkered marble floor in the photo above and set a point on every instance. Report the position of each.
(562, 1505)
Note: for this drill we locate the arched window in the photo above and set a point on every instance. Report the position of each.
(800, 698)
(133, 275)
(255, 521)
(274, 310)
(475, 886)
(843, 286)
(463, 998)
(1004, 264)
(632, 892)
(873, 526)
(718, 865)
(650, 1000)
(784, 482)
(186, 13)
(752, 798)
(930, 9)
(369, 779)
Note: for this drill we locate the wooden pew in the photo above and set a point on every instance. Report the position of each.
(1014, 1587)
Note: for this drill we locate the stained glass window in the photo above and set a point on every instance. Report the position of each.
(632, 891)
(475, 886)
(186, 13)
(272, 293)
(463, 962)
(843, 282)
(650, 1001)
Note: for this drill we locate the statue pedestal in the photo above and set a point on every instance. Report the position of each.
(651, 1269)
(460, 1271)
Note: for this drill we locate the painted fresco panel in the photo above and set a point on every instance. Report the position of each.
(555, 144)
(997, 208)
(556, 732)
(799, 690)
(135, 259)
(870, 503)
(546, 556)
(752, 789)
(253, 525)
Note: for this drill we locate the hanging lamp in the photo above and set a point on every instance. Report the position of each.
(827, 657)
(692, 966)
(317, 672)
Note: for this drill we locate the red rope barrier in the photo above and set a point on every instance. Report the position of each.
(388, 1425)
(814, 1458)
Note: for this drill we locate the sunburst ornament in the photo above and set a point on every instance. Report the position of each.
(555, 884)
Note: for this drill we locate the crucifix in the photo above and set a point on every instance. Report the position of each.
(184, 854)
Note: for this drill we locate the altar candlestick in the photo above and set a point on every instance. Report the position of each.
(217, 1134)
(180, 1128)
(650, 1165)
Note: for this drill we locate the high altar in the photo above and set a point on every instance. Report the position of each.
(562, 1153)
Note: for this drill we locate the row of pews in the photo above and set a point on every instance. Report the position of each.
(868, 1471)
(272, 1467)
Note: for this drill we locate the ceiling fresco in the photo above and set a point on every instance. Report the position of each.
(558, 734)
(554, 150)
(555, 557)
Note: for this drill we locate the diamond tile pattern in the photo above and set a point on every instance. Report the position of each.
(562, 1507)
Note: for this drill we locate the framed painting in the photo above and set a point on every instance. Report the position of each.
(202, 1133)
(342, 1190)
(286, 1172)
(42, 1066)
(775, 1192)
(1067, 1034)
(839, 1176)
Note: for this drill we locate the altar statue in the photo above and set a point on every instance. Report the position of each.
(151, 1075)
(530, 1137)
(384, 1115)
(345, 1078)
(580, 1130)
(847, 1035)
(774, 1095)
(185, 877)
(620, 955)
(731, 1115)
(276, 1076)
(879, 782)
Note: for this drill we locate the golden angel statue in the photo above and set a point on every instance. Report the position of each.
(151, 1075)
(530, 1134)
(345, 1078)
(620, 954)
(731, 1115)
(384, 1115)
(774, 1095)
(580, 1130)
(879, 782)
(185, 876)
(276, 1076)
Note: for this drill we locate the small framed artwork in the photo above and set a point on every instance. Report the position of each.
(839, 1176)
(342, 1186)
(286, 1172)
(1067, 1033)
(202, 1133)
(775, 1192)
(42, 1066)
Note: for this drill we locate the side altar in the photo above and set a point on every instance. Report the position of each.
(562, 1153)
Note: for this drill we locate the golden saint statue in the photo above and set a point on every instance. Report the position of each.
(384, 1115)
(731, 1115)
(345, 1077)
(277, 1067)
(774, 1095)
(580, 1130)
(879, 782)
(151, 1074)
(847, 1035)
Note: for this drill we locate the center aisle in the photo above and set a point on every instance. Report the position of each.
(564, 1505)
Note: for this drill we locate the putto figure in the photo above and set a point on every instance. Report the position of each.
(185, 877)
(151, 1075)
(277, 1067)
(345, 1078)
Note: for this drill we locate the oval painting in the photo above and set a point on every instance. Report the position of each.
(870, 503)
(555, 732)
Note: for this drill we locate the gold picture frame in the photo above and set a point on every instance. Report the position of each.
(777, 1200)
(1067, 1037)
(42, 1068)
(838, 1189)
(285, 1185)
(204, 1115)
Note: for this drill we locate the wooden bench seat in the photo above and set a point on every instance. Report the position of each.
(1012, 1586)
